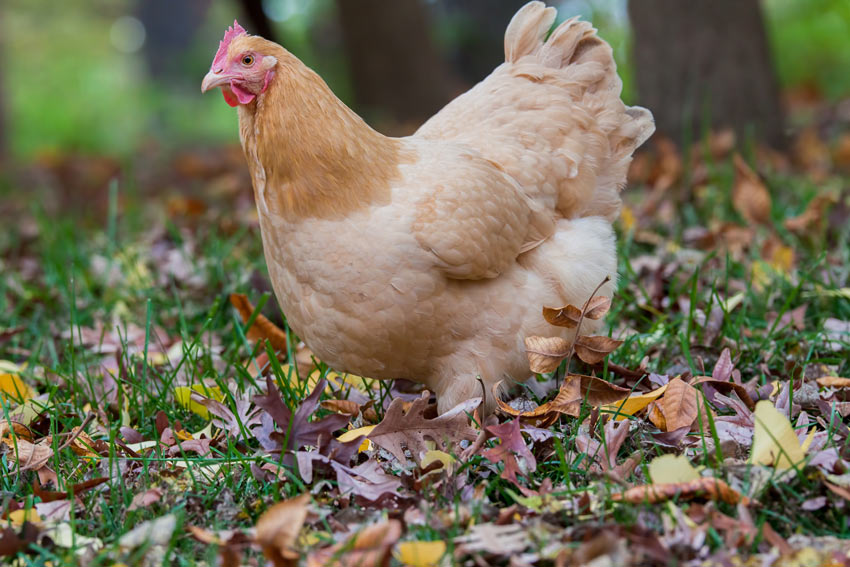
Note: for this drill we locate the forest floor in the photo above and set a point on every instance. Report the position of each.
(151, 417)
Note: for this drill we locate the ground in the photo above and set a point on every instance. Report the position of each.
(152, 417)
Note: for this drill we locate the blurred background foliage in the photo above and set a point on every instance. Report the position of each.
(89, 76)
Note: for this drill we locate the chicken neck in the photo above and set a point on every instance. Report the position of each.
(309, 154)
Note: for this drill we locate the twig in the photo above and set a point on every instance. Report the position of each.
(75, 434)
(581, 320)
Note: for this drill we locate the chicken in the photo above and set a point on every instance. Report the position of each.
(429, 257)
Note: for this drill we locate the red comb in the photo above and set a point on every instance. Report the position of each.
(232, 32)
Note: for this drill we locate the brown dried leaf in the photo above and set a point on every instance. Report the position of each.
(546, 353)
(345, 407)
(370, 547)
(398, 429)
(278, 528)
(598, 307)
(679, 404)
(593, 350)
(29, 456)
(568, 401)
(575, 389)
(749, 195)
(567, 316)
(710, 488)
(262, 327)
(833, 382)
(512, 446)
(726, 387)
(814, 216)
(598, 392)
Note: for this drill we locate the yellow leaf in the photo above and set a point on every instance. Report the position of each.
(353, 434)
(420, 553)
(18, 517)
(434, 456)
(627, 218)
(183, 395)
(633, 404)
(774, 441)
(672, 468)
(12, 387)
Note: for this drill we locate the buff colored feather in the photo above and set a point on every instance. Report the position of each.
(429, 257)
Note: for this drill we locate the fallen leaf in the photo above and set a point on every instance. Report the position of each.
(774, 441)
(344, 407)
(710, 488)
(726, 387)
(833, 382)
(546, 353)
(278, 528)
(668, 469)
(353, 434)
(28, 456)
(749, 195)
(814, 216)
(412, 429)
(633, 404)
(183, 396)
(152, 533)
(370, 547)
(420, 553)
(493, 539)
(12, 387)
(511, 446)
(262, 327)
(679, 404)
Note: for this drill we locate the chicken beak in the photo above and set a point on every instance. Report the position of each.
(214, 79)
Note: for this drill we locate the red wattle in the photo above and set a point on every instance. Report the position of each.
(229, 98)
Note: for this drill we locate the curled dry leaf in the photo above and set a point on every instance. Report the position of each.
(833, 382)
(726, 387)
(370, 547)
(710, 488)
(567, 316)
(576, 389)
(749, 195)
(546, 353)
(262, 327)
(278, 528)
(593, 350)
(345, 407)
(597, 307)
(28, 456)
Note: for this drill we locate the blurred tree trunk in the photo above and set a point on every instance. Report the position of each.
(258, 22)
(706, 63)
(394, 64)
(478, 34)
(170, 28)
(4, 124)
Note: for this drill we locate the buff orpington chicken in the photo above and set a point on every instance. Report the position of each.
(430, 257)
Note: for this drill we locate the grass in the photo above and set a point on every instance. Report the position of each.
(157, 291)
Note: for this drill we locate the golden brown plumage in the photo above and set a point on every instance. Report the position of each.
(429, 257)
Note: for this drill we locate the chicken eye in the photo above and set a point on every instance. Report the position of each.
(248, 60)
